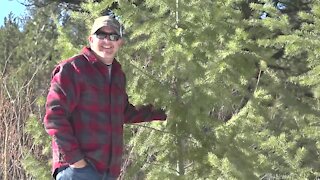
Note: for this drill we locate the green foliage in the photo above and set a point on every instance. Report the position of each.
(38, 167)
(35, 128)
(10, 36)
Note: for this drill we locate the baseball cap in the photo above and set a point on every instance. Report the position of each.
(108, 21)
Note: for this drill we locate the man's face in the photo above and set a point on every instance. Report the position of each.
(102, 46)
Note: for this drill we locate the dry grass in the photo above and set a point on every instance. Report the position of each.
(16, 104)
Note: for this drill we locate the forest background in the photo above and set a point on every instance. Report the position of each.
(238, 78)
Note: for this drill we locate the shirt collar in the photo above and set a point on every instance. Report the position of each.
(86, 51)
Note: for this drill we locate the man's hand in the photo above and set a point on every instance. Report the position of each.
(79, 164)
(159, 114)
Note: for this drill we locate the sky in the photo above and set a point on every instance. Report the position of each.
(7, 6)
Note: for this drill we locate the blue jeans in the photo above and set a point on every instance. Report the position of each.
(86, 173)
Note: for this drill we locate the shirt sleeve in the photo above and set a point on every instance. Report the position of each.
(61, 100)
(141, 113)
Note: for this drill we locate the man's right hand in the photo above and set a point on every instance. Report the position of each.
(79, 164)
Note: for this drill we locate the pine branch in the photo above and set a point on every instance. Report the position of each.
(154, 129)
(150, 76)
(258, 80)
(5, 64)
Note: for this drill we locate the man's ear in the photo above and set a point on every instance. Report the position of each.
(90, 39)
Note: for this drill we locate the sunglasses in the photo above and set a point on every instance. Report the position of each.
(110, 36)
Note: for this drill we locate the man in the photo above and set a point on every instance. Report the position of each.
(86, 108)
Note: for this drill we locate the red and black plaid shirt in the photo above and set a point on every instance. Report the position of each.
(85, 113)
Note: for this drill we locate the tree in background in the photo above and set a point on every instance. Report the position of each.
(238, 79)
(27, 44)
(10, 35)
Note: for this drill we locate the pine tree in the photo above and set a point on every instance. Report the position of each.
(223, 59)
